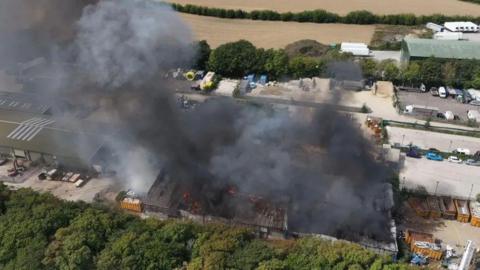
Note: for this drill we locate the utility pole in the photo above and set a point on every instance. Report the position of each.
(436, 188)
(470, 195)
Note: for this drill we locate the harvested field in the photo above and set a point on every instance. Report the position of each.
(342, 7)
(273, 34)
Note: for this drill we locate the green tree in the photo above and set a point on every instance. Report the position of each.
(301, 67)
(389, 70)
(430, 70)
(411, 74)
(233, 59)
(273, 264)
(476, 81)
(203, 51)
(369, 67)
(276, 64)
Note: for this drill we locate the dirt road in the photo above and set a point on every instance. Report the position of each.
(342, 7)
(273, 34)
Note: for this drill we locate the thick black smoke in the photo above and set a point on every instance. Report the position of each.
(114, 54)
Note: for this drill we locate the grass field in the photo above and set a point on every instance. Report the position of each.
(418, 7)
(273, 34)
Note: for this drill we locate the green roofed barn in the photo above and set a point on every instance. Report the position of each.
(416, 48)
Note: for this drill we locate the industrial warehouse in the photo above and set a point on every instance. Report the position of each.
(129, 142)
(416, 48)
(28, 132)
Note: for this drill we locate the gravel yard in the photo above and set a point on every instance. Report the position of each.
(443, 104)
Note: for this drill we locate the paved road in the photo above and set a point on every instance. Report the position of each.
(384, 55)
(425, 139)
(457, 180)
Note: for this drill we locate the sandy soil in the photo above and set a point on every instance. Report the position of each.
(273, 34)
(419, 7)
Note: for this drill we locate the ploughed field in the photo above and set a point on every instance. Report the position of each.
(342, 7)
(268, 34)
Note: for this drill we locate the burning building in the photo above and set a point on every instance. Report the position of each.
(223, 204)
(309, 171)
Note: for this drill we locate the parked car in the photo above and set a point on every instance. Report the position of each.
(434, 156)
(472, 162)
(454, 159)
(413, 153)
(442, 92)
(464, 151)
(435, 150)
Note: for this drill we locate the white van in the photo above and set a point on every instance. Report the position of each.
(442, 92)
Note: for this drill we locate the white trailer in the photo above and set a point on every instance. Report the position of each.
(465, 27)
(448, 36)
(434, 27)
(357, 49)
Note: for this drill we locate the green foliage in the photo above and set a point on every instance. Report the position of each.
(233, 59)
(365, 109)
(301, 67)
(322, 16)
(276, 63)
(476, 81)
(38, 231)
(369, 67)
(203, 51)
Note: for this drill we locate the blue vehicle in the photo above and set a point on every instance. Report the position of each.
(434, 156)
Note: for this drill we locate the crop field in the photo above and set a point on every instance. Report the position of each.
(268, 34)
(342, 7)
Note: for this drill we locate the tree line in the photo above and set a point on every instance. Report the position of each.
(39, 231)
(237, 59)
(430, 71)
(321, 16)
(472, 1)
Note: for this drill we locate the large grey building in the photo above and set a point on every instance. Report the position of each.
(35, 136)
(417, 48)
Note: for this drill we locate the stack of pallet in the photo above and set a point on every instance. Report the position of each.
(447, 207)
(420, 206)
(131, 204)
(463, 211)
(434, 207)
(475, 210)
(424, 244)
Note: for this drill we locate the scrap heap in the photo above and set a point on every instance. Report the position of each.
(424, 244)
(475, 210)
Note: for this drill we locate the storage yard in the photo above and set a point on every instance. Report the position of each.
(447, 7)
(445, 230)
(266, 35)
